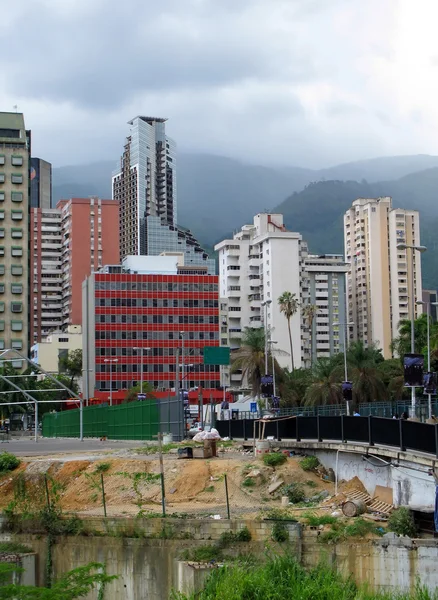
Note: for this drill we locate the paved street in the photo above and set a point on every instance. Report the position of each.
(47, 447)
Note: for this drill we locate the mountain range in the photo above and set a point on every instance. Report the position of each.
(217, 195)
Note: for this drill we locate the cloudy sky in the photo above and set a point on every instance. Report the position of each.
(293, 82)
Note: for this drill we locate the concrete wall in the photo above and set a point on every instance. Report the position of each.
(412, 485)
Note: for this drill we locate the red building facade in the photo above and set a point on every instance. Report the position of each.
(151, 328)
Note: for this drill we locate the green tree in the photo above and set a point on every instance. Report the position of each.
(363, 362)
(391, 371)
(293, 386)
(309, 312)
(132, 393)
(325, 387)
(77, 583)
(250, 357)
(289, 307)
(72, 365)
(402, 344)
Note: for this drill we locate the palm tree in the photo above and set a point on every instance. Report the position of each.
(309, 312)
(325, 387)
(289, 306)
(368, 384)
(250, 357)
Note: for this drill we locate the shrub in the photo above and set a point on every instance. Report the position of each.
(248, 482)
(8, 462)
(401, 522)
(229, 537)
(274, 460)
(102, 468)
(315, 520)
(206, 553)
(309, 463)
(294, 491)
(280, 532)
(14, 548)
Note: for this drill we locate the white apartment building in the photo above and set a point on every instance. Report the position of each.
(262, 261)
(326, 277)
(380, 275)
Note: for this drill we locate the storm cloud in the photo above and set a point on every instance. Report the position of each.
(302, 82)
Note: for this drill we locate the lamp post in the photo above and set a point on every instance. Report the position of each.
(87, 391)
(345, 325)
(111, 360)
(420, 302)
(142, 350)
(265, 304)
(420, 249)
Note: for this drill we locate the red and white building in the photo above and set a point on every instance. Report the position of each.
(149, 320)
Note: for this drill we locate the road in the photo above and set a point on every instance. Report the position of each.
(47, 447)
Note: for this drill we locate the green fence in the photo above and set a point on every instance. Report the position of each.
(132, 421)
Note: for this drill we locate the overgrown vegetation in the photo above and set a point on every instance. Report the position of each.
(295, 492)
(309, 463)
(278, 514)
(138, 479)
(281, 578)
(14, 548)
(8, 462)
(248, 482)
(280, 533)
(341, 531)
(402, 522)
(214, 552)
(274, 459)
(317, 520)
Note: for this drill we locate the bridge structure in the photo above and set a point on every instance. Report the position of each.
(394, 453)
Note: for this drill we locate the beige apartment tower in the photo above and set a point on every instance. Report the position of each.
(14, 227)
(380, 275)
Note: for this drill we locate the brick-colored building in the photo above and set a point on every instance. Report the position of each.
(147, 325)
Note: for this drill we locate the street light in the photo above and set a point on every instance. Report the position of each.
(138, 349)
(265, 304)
(420, 302)
(345, 325)
(420, 249)
(111, 360)
(87, 391)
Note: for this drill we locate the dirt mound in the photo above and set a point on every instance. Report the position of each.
(352, 484)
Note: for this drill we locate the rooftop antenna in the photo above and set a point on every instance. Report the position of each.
(16, 107)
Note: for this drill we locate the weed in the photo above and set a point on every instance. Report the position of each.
(311, 484)
(316, 520)
(229, 537)
(210, 488)
(309, 463)
(294, 491)
(274, 460)
(402, 522)
(8, 462)
(340, 531)
(278, 514)
(279, 532)
(102, 468)
(248, 482)
(14, 548)
(206, 553)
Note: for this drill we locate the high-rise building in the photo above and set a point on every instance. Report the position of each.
(90, 239)
(46, 272)
(145, 186)
(14, 231)
(40, 183)
(326, 278)
(380, 276)
(149, 320)
(261, 262)
(430, 297)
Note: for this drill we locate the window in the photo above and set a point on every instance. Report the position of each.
(2, 177)
(17, 196)
(2, 307)
(15, 233)
(2, 159)
(16, 270)
(17, 344)
(17, 251)
(2, 344)
(16, 288)
(17, 161)
(2, 325)
(2, 214)
(16, 307)
(17, 178)
(2, 196)
(2, 269)
(17, 215)
(63, 339)
(2, 288)
(2, 250)
(16, 325)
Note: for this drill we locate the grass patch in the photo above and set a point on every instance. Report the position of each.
(340, 531)
(8, 462)
(248, 482)
(205, 553)
(317, 520)
(210, 488)
(281, 577)
(402, 522)
(309, 463)
(275, 459)
(278, 514)
(311, 484)
(14, 548)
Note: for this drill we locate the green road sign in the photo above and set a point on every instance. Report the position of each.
(216, 355)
